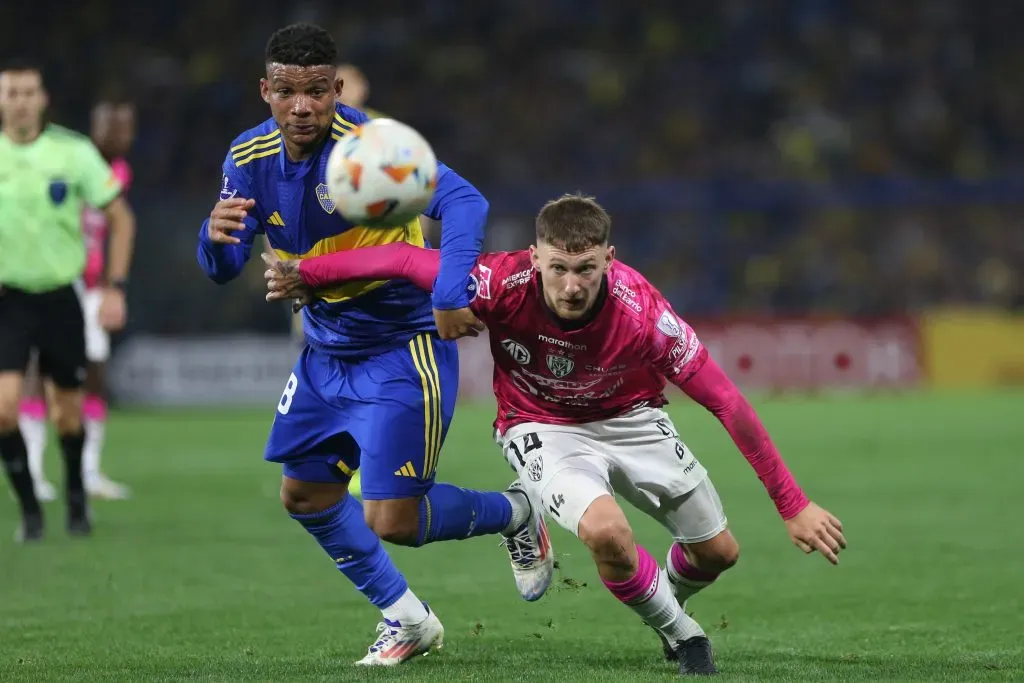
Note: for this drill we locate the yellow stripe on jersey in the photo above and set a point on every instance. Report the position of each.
(259, 155)
(347, 125)
(356, 238)
(252, 148)
(345, 469)
(276, 133)
(423, 359)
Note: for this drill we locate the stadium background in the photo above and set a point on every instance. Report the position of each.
(770, 158)
(832, 192)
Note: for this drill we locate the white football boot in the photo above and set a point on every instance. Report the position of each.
(529, 549)
(101, 487)
(396, 643)
(46, 492)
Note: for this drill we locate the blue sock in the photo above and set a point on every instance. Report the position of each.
(342, 532)
(448, 512)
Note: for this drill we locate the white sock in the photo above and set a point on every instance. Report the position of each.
(664, 613)
(33, 431)
(685, 587)
(407, 610)
(649, 594)
(95, 433)
(520, 510)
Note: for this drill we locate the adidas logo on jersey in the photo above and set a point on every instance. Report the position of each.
(275, 219)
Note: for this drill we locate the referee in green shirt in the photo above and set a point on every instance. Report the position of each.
(47, 175)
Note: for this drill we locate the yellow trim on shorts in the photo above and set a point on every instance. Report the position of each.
(423, 359)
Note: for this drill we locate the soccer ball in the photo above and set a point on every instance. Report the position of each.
(382, 174)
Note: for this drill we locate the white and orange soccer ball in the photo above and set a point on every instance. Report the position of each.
(382, 174)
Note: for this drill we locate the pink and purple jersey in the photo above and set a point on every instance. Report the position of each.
(547, 372)
(94, 229)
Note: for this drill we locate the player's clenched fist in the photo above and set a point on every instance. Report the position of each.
(816, 529)
(227, 216)
(457, 323)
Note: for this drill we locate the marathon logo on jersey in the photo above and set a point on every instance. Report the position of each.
(560, 366)
(668, 325)
(324, 197)
(518, 352)
(626, 295)
(58, 191)
(226, 191)
(562, 343)
(483, 282)
(517, 279)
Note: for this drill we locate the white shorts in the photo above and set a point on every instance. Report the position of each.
(638, 455)
(97, 339)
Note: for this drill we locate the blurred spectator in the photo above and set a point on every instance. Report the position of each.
(567, 94)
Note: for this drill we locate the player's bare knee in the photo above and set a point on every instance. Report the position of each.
(308, 498)
(716, 554)
(608, 535)
(394, 521)
(10, 395)
(67, 421)
(8, 416)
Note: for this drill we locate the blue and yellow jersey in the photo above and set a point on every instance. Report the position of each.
(294, 210)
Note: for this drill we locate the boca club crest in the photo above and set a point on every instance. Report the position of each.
(560, 366)
(324, 197)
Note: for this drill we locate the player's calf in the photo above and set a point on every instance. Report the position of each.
(693, 567)
(14, 457)
(395, 521)
(66, 413)
(335, 519)
(632, 574)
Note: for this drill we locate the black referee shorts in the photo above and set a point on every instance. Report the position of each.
(50, 322)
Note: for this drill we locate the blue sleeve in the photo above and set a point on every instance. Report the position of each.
(223, 262)
(462, 211)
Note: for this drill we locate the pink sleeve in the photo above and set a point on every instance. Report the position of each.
(389, 261)
(123, 172)
(679, 356)
(713, 389)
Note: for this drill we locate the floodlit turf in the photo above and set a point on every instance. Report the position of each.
(203, 577)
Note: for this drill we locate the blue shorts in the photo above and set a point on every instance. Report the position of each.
(385, 415)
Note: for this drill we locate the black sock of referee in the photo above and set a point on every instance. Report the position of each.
(15, 459)
(71, 445)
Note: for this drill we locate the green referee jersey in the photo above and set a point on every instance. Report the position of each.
(44, 186)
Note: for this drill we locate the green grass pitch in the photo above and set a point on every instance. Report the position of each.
(203, 577)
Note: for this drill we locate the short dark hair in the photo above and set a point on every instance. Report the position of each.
(573, 222)
(302, 45)
(22, 64)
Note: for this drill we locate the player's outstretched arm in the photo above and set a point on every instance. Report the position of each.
(462, 211)
(386, 262)
(810, 527)
(678, 354)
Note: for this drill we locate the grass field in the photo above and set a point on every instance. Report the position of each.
(203, 576)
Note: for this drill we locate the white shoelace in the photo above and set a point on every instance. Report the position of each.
(521, 548)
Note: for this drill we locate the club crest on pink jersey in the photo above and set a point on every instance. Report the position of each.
(560, 366)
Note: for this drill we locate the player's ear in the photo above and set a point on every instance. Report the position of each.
(609, 255)
(265, 90)
(339, 85)
(534, 259)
